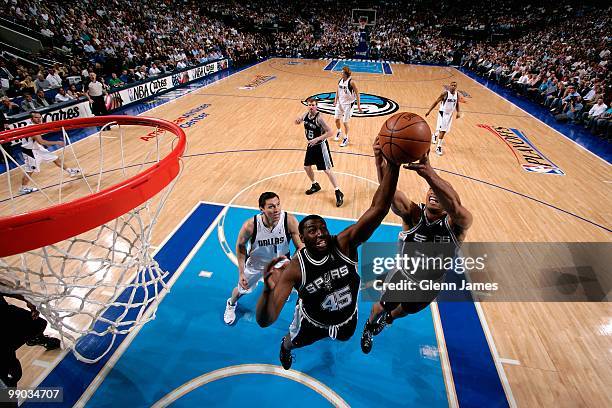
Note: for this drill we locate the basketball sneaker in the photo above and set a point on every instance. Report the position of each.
(366, 338)
(380, 323)
(50, 343)
(439, 150)
(337, 137)
(285, 356)
(313, 189)
(27, 190)
(434, 138)
(230, 312)
(339, 198)
(72, 172)
(344, 142)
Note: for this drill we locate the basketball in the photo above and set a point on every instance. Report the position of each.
(405, 137)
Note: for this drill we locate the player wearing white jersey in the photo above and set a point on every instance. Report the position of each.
(34, 154)
(268, 235)
(449, 102)
(346, 95)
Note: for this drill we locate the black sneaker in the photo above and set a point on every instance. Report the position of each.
(285, 356)
(366, 339)
(380, 323)
(313, 189)
(339, 198)
(50, 343)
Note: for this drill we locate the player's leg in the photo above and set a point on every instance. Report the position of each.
(376, 323)
(310, 160)
(314, 186)
(301, 334)
(346, 331)
(338, 113)
(348, 111)
(439, 123)
(252, 278)
(30, 166)
(325, 163)
(440, 142)
(445, 127)
(72, 172)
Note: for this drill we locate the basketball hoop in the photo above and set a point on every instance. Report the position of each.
(87, 262)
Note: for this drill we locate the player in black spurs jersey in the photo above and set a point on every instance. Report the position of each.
(325, 275)
(317, 152)
(440, 219)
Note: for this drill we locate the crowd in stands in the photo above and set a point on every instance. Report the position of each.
(558, 67)
(550, 47)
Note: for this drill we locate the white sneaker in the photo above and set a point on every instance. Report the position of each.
(230, 312)
(344, 142)
(434, 139)
(337, 137)
(27, 190)
(439, 150)
(72, 172)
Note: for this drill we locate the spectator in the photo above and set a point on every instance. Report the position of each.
(53, 78)
(62, 96)
(5, 72)
(590, 117)
(41, 83)
(15, 90)
(154, 71)
(73, 92)
(9, 108)
(29, 104)
(571, 109)
(27, 85)
(42, 100)
(115, 82)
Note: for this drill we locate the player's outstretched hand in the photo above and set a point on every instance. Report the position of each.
(422, 167)
(273, 271)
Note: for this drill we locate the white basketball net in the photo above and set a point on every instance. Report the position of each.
(103, 282)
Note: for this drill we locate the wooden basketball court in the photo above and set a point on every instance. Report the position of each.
(553, 354)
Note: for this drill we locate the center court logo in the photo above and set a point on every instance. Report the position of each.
(527, 155)
(371, 105)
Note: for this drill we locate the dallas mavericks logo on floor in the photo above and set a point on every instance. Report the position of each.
(371, 105)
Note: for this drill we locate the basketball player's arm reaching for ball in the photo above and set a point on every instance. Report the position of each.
(358, 233)
(401, 205)
(241, 250)
(449, 199)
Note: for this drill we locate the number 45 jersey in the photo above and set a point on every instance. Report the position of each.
(330, 286)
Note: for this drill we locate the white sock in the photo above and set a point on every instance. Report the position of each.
(337, 189)
(440, 142)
